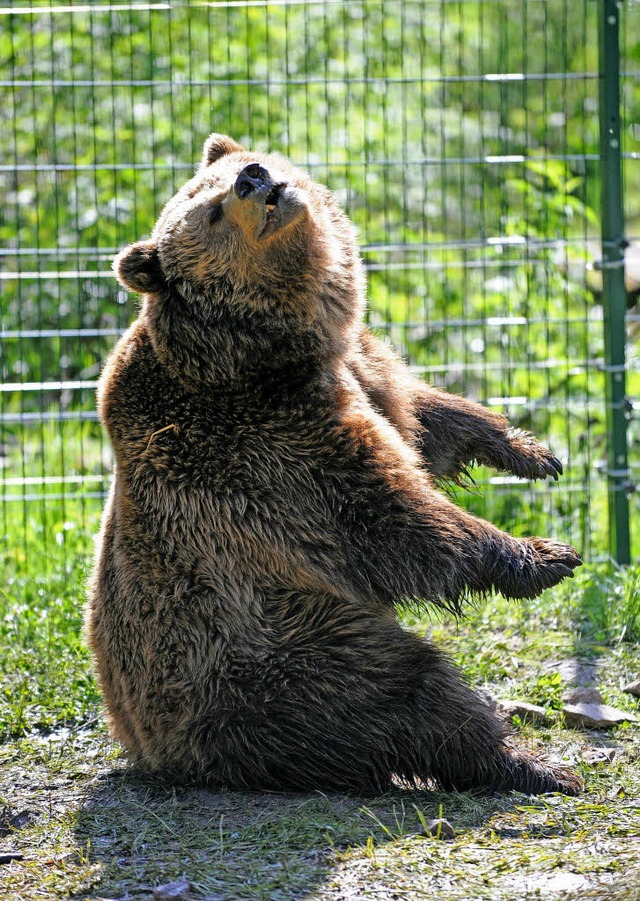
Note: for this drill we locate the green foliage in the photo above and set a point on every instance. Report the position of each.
(605, 603)
(474, 191)
(547, 690)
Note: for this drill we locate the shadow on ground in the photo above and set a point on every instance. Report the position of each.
(232, 845)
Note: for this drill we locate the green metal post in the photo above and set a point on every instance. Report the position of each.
(614, 295)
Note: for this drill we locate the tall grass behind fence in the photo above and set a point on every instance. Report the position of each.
(630, 145)
(462, 138)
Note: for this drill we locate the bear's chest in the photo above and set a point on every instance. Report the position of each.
(227, 458)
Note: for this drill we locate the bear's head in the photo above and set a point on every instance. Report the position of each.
(250, 262)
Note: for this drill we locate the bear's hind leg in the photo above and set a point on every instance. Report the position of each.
(463, 745)
(364, 701)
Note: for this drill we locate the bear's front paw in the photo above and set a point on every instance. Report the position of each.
(538, 563)
(528, 458)
(554, 561)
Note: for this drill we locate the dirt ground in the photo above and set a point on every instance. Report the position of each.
(77, 822)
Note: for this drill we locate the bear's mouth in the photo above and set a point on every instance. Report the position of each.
(273, 212)
(271, 200)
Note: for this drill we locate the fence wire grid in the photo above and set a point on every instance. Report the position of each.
(462, 137)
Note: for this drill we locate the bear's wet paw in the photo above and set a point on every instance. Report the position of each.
(553, 561)
(527, 458)
(539, 564)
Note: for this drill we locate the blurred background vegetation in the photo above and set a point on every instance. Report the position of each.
(462, 138)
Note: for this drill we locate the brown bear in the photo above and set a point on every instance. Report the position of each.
(275, 500)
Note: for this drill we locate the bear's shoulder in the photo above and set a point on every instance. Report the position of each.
(134, 384)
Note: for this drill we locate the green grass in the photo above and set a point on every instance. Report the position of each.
(45, 676)
(87, 826)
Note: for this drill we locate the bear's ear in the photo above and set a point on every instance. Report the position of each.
(137, 267)
(216, 146)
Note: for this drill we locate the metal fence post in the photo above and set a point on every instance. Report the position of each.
(614, 294)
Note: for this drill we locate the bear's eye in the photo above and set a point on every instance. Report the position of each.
(215, 213)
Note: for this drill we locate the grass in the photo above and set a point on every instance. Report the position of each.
(87, 826)
(45, 676)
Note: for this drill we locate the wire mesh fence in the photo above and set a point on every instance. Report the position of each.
(461, 136)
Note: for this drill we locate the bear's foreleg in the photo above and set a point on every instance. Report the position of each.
(451, 433)
(405, 540)
(456, 432)
(443, 555)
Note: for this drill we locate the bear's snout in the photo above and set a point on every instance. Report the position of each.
(266, 204)
(253, 178)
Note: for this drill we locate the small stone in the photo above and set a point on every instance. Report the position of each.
(544, 885)
(173, 891)
(439, 828)
(576, 672)
(598, 755)
(583, 694)
(633, 688)
(13, 822)
(595, 716)
(526, 713)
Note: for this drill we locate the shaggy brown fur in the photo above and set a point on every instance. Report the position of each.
(274, 500)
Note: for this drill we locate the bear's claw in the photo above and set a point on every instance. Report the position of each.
(529, 459)
(541, 564)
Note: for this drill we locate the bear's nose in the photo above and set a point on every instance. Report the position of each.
(251, 179)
